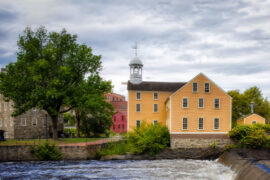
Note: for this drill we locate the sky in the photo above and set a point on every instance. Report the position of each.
(229, 41)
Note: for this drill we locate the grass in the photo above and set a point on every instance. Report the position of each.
(119, 148)
(13, 142)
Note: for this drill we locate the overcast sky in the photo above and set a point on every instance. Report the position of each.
(229, 41)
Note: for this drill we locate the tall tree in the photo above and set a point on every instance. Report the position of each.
(49, 68)
(241, 103)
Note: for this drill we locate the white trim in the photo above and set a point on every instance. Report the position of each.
(218, 123)
(197, 87)
(183, 102)
(170, 113)
(183, 124)
(199, 103)
(204, 87)
(128, 114)
(154, 96)
(231, 113)
(199, 133)
(253, 121)
(199, 123)
(195, 78)
(154, 108)
(154, 121)
(140, 95)
(218, 103)
(136, 107)
(136, 123)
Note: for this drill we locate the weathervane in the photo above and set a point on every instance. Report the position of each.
(135, 47)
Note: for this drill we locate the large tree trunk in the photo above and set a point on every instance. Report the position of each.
(78, 121)
(55, 122)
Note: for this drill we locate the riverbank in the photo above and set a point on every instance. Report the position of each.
(247, 163)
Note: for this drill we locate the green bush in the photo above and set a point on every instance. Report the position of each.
(45, 152)
(251, 136)
(149, 139)
(229, 147)
(213, 145)
(119, 148)
(71, 132)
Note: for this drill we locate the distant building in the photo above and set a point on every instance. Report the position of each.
(251, 119)
(120, 107)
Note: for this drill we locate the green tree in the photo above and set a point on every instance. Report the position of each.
(49, 68)
(241, 103)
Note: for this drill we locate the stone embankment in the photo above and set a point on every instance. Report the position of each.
(248, 164)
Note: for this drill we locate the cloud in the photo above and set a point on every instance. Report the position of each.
(229, 40)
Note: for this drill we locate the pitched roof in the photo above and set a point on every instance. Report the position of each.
(247, 115)
(156, 86)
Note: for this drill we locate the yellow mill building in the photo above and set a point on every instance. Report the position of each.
(198, 109)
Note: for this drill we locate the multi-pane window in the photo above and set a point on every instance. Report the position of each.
(138, 107)
(123, 107)
(155, 122)
(253, 122)
(201, 103)
(118, 126)
(138, 123)
(155, 96)
(185, 123)
(216, 103)
(194, 87)
(216, 123)
(122, 117)
(200, 123)
(23, 121)
(34, 121)
(155, 107)
(185, 102)
(206, 87)
(138, 95)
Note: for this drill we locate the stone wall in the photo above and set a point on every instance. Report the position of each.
(199, 140)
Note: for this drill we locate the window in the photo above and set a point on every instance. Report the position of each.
(216, 123)
(0, 122)
(206, 87)
(123, 126)
(113, 127)
(114, 118)
(216, 103)
(23, 121)
(34, 121)
(195, 87)
(138, 95)
(138, 107)
(34, 109)
(118, 126)
(123, 107)
(11, 121)
(5, 106)
(10, 105)
(138, 123)
(201, 123)
(122, 117)
(155, 96)
(185, 102)
(254, 122)
(6, 134)
(201, 103)
(185, 123)
(5, 122)
(155, 122)
(155, 107)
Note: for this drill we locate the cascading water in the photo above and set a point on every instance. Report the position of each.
(144, 169)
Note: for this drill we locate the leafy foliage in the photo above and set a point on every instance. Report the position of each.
(213, 145)
(49, 69)
(69, 119)
(251, 136)
(241, 103)
(119, 148)
(149, 138)
(46, 152)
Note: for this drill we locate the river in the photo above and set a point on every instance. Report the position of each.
(143, 169)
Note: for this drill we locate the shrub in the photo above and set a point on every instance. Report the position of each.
(149, 139)
(251, 136)
(213, 145)
(46, 151)
(113, 148)
(229, 147)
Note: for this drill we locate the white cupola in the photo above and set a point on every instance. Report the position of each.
(136, 70)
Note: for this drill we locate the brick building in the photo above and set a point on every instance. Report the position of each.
(120, 107)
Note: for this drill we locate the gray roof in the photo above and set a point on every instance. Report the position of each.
(156, 86)
(136, 61)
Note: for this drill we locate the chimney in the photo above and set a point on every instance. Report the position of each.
(252, 107)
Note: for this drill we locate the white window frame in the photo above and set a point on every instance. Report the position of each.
(23, 119)
(137, 95)
(139, 108)
(154, 108)
(209, 87)
(155, 122)
(34, 119)
(183, 123)
(215, 123)
(199, 123)
(183, 102)
(202, 103)
(11, 120)
(154, 96)
(193, 87)
(215, 103)
(6, 134)
(10, 105)
(137, 123)
(253, 122)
